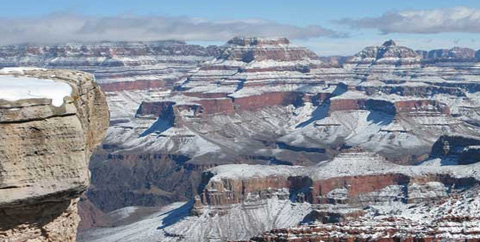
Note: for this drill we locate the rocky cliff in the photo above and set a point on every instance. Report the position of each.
(50, 123)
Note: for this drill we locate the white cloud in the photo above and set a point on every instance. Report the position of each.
(71, 27)
(447, 20)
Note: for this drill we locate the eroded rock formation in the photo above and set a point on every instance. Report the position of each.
(44, 155)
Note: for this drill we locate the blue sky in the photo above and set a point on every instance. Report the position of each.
(369, 21)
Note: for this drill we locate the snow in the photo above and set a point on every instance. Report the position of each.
(281, 87)
(18, 70)
(238, 222)
(453, 218)
(370, 130)
(377, 96)
(274, 63)
(244, 171)
(18, 88)
(351, 95)
(122, 213)
(430, 190)
(338, 194)
(351, 164)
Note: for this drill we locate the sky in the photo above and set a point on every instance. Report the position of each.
(327, 27)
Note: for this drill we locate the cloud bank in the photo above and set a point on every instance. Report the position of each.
(63, 27)
(448, 20)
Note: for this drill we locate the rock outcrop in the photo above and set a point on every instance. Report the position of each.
(389, 53)
(392, 107)
(256, 73)
(45, 148)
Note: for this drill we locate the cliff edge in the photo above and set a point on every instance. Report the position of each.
(50, 122)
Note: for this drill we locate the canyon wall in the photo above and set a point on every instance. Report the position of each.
(267, 103)
(264, 101)
(355, 186)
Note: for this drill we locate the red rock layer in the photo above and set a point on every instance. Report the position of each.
(233, 191)
(347, 104)
(217, 106)
(390, 107)
(206, 95)
(268, 99)
(221, 105)
(230, 191)
(416, 105)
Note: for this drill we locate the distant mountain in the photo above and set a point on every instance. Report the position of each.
(454, 54)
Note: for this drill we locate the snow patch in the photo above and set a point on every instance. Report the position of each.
(19, 70)
(17, 88)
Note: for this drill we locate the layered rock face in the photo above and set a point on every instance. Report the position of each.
(388, 53)
(258, 49)
(394, 107)
(352, 178)
(45, 147)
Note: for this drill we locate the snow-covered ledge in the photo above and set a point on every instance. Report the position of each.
(15, 88)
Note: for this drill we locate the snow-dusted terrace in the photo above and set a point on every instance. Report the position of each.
(346, 164)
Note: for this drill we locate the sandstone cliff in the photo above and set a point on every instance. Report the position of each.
(45, 146)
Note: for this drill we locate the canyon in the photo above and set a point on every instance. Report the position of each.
(263, 140)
